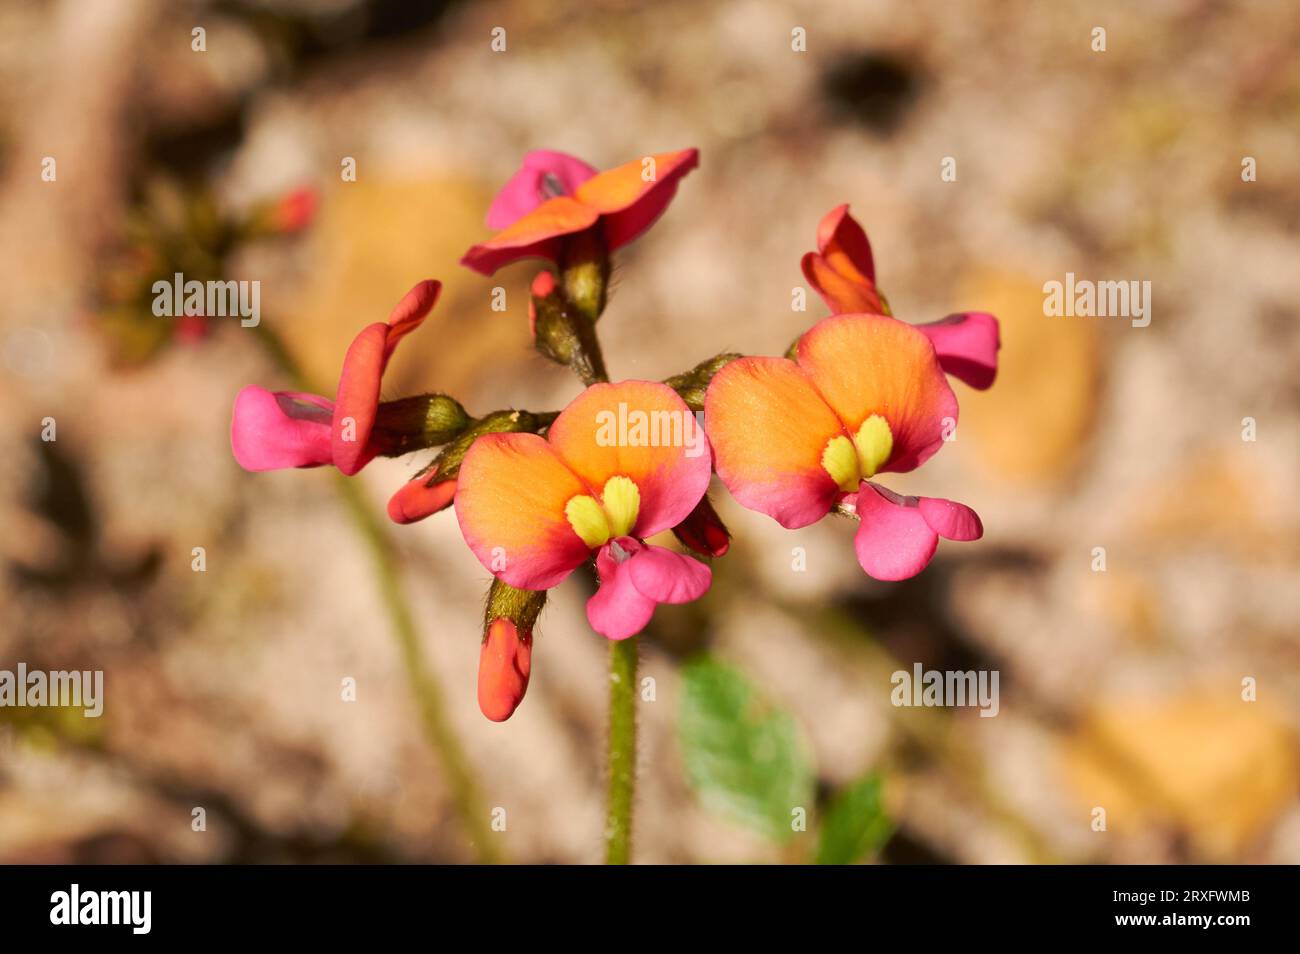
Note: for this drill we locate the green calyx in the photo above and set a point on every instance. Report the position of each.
(691, 385)
(584, 273)
(447, 464)
(522, 607)
(426, 420)
(563, 335)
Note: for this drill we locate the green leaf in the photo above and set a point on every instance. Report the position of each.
(744, 758)
(856, 825)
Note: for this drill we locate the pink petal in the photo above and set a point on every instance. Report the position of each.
(529, 187)
(363, 370)
(666, 576)
(270, 430)
(951, 520)
(898, 535)
(619, 609)
(893, 541)
(967, 344)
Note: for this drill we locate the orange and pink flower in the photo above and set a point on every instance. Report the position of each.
(864, 395)
(533, 509)
(556, 195)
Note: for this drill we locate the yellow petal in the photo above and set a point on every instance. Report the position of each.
(622, 502)
(587, 517)
(840, 460)
(875, 443)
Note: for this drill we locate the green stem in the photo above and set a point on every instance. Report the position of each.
(423, 685)
(622, 750)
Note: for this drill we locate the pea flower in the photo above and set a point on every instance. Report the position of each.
(864, 395)
(555, 196)
(277, 429)
(533, 509)
(843, 272)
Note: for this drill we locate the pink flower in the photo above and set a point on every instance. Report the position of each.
(271, 430)
(554, 195)
(864, 395)
(533, 509)
(843, 272)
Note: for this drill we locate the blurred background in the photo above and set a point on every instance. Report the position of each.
(1120, 689)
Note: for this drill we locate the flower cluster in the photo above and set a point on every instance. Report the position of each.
(538, 495)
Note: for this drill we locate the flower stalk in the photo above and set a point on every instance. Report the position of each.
(622, 750)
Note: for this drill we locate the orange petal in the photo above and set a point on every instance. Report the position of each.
(643, 431)
(842, 269)
(534, 235)
(628, 200)
(769, 428)
(844, 244)
(510, 498)
(870, 364)
(842, 295)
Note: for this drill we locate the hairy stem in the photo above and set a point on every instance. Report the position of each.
(622, 750)
(424, 686)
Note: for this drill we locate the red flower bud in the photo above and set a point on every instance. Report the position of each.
(504, 663)
(421, 497)
(703, 530)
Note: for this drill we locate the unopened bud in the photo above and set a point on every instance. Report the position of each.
(703, 531)
(584, 272)
(505, 658)
(422, 497)
(427, 420)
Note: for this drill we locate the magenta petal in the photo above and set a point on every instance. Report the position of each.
(668, 577)
(543, 175)
(949, 519)
(271, 430)
(967, 344)
(894, 541)
(619, 609)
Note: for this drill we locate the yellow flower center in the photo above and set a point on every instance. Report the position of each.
(850, 461)
(614, 515)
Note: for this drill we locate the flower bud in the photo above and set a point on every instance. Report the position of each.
(422, 497)
(703, 531)
(427, 420)
(584, 272)
(560, 333)
(505, 659)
